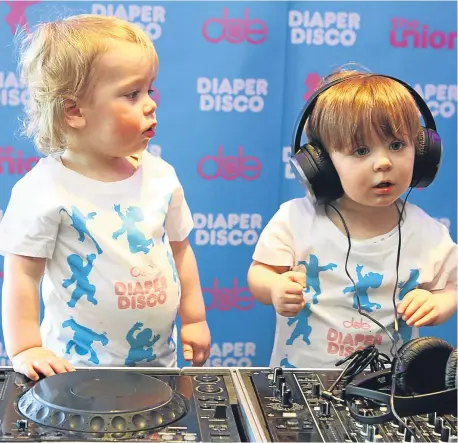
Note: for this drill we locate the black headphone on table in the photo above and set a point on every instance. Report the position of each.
(314, 169)
(425, 378)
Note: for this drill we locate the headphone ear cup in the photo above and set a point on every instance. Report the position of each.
(421, 365)
(428, 155)
(451, 379)
(314, 168)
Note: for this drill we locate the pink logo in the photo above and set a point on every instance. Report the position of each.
(235, 30)
(18, 165)
(230, 167)
(224, 299)
(404, 32)
(16, 17)
(312, 81)
(355, 324)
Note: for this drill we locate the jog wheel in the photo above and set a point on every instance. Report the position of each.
(102, 401)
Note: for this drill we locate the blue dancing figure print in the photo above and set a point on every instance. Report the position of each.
(370, 280)
(410, 284)
(302, 326)
(136, 239)
(284, 363)
(141, 346)
(80, 273)
(83, 339)
(79, 222)
(312, 279)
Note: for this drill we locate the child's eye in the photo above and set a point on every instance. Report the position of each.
(151, 92)
(396, 145)
(362, 150)
(133, 95)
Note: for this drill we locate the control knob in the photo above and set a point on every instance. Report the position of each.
(286, 397)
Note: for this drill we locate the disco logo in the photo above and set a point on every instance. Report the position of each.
(225, 299)
(229, 167)
(231, 229)
(227, 95)
(327, 28)
(410, 33)
(233, 354)
(147, 17)
(235, 30)
(16, 16)
(441, 99)
(312, 82)
(12, 91)
(15, 164)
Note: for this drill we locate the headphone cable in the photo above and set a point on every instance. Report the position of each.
(396, 324)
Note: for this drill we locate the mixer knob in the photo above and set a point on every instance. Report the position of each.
(432, 419)
(438, 425)
(445, 434)
(408, 436)
(402, 428)
(325, 409)
(278, 383)
(277, 373)
(286, 400)
(316, 389)
(372, 434)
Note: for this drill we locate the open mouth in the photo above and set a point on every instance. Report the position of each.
(382, 185)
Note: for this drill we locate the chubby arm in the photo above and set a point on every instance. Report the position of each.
(261, 280)
(195, 335)
(192, 307)
(21, 303)
(21, 319)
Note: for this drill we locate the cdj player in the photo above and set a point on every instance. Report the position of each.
(153, 404)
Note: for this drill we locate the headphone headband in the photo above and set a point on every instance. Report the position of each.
(310, 105)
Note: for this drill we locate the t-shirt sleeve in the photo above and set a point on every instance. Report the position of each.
(275, 246)
(178, 222)
(443, 253)
(29, 225)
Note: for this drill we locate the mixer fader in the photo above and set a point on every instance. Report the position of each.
(289, 407)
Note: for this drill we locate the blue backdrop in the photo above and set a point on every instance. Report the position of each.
(233, 78)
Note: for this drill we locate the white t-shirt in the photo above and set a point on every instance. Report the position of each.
(110, 289)
(329, 327)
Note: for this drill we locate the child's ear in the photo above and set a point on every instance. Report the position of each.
(73, 114)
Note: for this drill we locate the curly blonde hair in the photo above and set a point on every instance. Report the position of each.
(364, 106)
(56, 61)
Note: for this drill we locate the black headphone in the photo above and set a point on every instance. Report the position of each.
(314, 169)
(425, 381)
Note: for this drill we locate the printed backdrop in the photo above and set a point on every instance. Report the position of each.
(233, 78)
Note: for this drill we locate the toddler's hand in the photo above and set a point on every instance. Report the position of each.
(423, 308)
(286, 294)
(195, 340)
(35, 361)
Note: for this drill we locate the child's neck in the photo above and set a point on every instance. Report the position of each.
(364, 222)
(104, 169)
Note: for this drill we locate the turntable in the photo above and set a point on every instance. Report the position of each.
(141, 404)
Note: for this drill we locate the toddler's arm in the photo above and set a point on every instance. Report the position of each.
(277, 286)
(21, 318)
